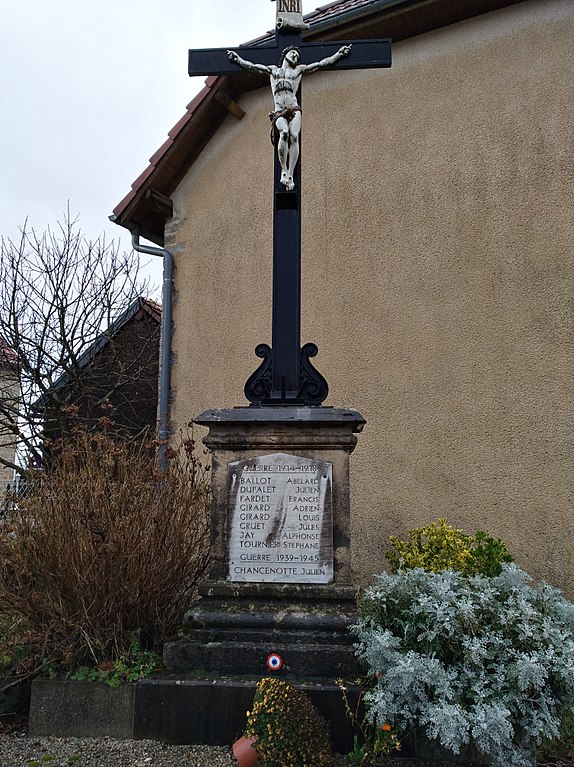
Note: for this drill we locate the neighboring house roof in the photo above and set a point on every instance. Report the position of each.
(337, 8)
(135, 310)
(148, 205)
(8, 357)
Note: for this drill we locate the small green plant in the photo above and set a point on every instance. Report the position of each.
(131, 667)
(438, 546)
(375, 741)
(48, 760)
(287, 728)
(356, 756)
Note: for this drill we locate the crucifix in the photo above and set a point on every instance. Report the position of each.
(286, 375)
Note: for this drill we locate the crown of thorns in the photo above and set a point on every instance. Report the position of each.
(286, 50)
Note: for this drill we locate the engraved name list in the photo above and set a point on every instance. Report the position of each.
(281, 520)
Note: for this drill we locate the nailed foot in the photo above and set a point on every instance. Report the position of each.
(287, 181)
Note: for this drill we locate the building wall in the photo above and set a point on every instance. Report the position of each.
(437, 277)
(8, 391)
(129, 367)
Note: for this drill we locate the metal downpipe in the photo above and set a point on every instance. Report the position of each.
(166, 320)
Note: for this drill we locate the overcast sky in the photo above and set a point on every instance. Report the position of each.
(89, 90)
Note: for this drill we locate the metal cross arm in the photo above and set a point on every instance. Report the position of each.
(365, 54)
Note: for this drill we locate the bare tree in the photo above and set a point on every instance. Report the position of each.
(60, 295)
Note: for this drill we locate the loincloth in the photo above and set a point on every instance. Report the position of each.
(288, 114)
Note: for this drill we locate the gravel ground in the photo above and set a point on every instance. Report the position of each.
(18, 750)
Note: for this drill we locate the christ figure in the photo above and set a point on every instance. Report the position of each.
(286, 117)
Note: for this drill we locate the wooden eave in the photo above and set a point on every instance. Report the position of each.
(147, 206)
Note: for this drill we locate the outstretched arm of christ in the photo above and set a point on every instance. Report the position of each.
(249, 66)
(344, 50)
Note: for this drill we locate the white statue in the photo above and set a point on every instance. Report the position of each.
(286, 118)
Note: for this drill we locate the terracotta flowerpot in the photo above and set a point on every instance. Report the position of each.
(244, 751)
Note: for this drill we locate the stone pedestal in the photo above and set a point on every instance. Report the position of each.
(280, 574)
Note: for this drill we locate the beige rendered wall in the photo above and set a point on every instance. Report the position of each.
(437, 278)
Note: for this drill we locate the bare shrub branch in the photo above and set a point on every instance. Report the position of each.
(106, 546)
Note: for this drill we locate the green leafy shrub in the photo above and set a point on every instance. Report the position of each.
(104, 550)
(287, 728)
(438, 546)
(485, 662)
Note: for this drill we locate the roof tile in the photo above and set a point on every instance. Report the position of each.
(332, 9)
(8, 356)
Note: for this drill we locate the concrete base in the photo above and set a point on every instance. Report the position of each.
(168, 709)
(63, 708)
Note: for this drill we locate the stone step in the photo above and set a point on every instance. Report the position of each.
(312, 659)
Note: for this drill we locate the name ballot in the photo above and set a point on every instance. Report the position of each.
(281, 527)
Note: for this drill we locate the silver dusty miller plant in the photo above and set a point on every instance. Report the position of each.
(479, 661)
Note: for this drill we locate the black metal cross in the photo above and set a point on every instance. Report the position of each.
(286, 375)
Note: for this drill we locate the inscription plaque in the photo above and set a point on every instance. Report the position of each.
(281, 527)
